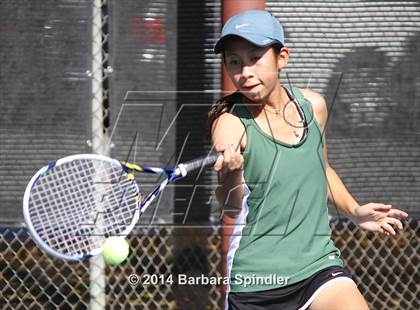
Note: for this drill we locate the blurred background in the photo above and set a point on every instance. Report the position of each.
(79, 76)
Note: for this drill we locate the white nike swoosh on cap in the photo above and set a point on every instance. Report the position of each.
(336, 273)
(241, 25)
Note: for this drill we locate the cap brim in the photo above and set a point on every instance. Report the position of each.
(255, 39)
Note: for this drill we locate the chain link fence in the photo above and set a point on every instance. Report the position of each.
(385, 269)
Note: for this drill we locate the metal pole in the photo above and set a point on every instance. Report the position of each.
(229, 9)
(99, 146)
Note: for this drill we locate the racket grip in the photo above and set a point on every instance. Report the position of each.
(197, 163)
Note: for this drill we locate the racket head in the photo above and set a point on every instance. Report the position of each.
(73, 204)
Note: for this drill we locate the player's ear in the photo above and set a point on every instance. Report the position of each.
(282, 58)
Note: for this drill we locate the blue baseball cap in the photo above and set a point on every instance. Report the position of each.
(257, 26)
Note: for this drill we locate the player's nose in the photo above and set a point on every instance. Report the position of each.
(247, 71)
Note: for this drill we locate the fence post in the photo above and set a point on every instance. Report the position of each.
(99, 143)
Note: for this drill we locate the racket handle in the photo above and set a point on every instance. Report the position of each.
(197, 163)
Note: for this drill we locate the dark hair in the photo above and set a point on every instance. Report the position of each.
(276, 46)
(221, 106)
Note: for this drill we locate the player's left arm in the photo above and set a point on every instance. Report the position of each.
(372, 216)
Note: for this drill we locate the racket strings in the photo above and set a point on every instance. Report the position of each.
(81, 218)
(78, 204)
(52, 191)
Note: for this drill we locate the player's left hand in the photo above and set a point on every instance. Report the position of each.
(378, 217)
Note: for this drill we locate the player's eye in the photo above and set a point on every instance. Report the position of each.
(233, 62)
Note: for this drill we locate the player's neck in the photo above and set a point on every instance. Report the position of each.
(277, 100)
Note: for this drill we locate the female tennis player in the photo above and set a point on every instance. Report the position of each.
(275, 181)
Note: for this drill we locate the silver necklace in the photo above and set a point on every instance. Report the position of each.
(279, 112)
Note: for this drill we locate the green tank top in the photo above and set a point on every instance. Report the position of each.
(282, 235)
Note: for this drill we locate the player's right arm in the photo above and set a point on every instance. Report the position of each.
(228, 137)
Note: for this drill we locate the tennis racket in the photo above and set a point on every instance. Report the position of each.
(73, 204)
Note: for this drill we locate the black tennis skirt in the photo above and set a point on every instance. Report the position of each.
(291, 297)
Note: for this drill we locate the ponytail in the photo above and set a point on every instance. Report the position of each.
(221, 106)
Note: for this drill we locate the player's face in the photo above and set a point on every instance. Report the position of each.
(253, 70)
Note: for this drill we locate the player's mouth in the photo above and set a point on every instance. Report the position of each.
(249, 87)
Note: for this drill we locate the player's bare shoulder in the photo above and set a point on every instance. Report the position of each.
(319, 105)
(227, 128)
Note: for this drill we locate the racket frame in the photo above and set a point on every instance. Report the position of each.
(172, 175)
(27, 217)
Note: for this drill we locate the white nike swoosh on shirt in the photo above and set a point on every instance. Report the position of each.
(336, 273)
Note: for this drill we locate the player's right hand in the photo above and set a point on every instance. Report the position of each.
(230, 160)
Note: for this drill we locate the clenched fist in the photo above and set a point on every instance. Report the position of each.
(230, 160)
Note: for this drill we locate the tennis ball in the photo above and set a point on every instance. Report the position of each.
(115, 250)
